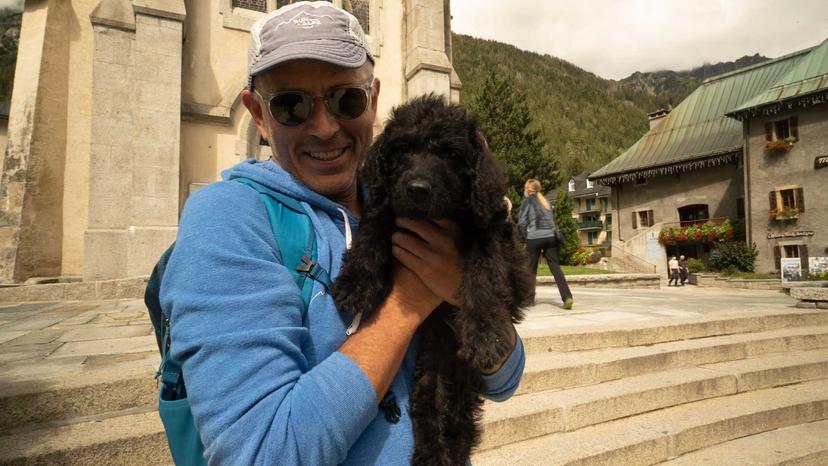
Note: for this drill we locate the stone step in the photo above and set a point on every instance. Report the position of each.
(540, 340)
(541, 413)
(76, 395)
(667, 433)
(804, 444)
(545, 371)
(131, 438)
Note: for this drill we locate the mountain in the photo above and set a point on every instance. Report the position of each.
(586, 120)
(669, 88)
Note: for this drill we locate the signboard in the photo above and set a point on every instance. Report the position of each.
(821, 162)
(790, 234)
(791, 269)
(818, 267)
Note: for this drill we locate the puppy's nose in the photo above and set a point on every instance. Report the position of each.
(419, 189)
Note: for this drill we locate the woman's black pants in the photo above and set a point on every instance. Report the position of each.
(549, 248)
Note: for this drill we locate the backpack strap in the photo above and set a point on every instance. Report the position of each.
(295, 237)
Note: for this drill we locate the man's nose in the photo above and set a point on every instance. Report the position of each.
(322, 123)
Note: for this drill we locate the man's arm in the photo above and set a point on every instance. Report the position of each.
(237, 328)
(380, 344)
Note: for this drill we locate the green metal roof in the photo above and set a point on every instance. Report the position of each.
(805, 84)
(697, 133)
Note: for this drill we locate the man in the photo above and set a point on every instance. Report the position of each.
(683, 272)
(673, 265)
(269, 383)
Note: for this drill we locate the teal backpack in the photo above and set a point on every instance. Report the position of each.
(294, 234)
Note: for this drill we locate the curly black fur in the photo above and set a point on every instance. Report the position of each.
(431, 162)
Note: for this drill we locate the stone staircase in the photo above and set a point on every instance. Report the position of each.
(690, 390)
(78, 386)
(698, 391)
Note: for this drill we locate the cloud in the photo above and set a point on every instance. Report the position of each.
(614, 38)
(16, 4)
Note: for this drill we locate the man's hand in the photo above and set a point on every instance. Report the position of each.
(431, 253)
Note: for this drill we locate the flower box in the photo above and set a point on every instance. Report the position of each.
(780, 146)
(708, 232)
(787, 213)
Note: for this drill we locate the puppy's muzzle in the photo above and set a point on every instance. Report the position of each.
(418, 190)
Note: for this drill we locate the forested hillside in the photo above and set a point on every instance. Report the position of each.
(585, 119)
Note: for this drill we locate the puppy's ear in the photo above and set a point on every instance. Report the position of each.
(374, 172)
(487, 185)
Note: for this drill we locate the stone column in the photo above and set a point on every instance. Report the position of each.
(31, 180)
(135, 139)
(427, 65)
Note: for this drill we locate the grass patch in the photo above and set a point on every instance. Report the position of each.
(543, 270)
(754, 276)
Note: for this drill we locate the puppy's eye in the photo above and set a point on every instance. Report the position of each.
(448, 154)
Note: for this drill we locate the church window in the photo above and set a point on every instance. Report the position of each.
(255, 5)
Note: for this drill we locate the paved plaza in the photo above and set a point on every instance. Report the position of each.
(44, 340)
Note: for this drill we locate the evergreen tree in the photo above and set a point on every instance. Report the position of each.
(566, 224)
(506, 120)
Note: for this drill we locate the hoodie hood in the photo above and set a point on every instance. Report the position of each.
(273, 176)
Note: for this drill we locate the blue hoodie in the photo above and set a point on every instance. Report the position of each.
(265, 382)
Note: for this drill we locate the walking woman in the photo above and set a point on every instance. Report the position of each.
(537, 223)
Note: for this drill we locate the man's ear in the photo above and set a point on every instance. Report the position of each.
(256, 110)
(375, 97)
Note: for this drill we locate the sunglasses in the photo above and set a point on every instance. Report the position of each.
(292, 108)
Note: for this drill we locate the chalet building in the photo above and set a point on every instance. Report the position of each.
(120, 109)
(707, 160)
(786, 163)
(592, 210)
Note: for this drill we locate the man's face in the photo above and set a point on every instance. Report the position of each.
(324, 152)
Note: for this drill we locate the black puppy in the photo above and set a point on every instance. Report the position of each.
(432, 162)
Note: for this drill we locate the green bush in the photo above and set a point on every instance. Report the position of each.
(735, 256)
(695, 266)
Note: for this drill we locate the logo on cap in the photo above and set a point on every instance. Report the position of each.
(305, 21)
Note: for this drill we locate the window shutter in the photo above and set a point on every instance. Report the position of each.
(772, 199)
(800, 199)
(650, 219)
(803, 259)
(634, 224)
(794, 124)
(777, 257)
(769, 131)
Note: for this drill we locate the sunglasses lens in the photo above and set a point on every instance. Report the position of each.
(291, 108)
(348, 103)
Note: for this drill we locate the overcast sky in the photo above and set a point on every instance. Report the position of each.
(8, 3)
(614, 38)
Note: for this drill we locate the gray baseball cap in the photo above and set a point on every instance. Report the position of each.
(309, 30)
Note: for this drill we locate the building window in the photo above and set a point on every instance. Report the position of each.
(590, 204)
(590, 184)
(640, 181)
(693, 214)
(791, 250)
(572, 186)
(608, 219)
(255, 5)
(787, 198)
(782, 129)
(592, 237)
(644, 218)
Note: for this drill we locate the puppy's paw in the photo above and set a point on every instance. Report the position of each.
(486, 349)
